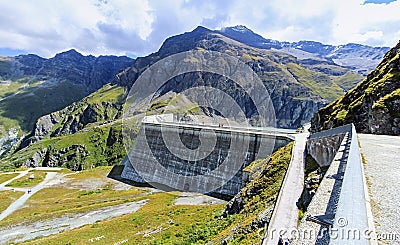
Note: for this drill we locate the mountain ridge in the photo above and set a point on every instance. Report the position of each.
(264, 61)
(344, 55)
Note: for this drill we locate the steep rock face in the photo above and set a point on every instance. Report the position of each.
(294, 89)
(373, 106)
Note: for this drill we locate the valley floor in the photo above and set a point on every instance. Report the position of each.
(65, 203)
(383, 172)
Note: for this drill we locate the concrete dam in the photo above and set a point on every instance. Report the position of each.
(196, 158)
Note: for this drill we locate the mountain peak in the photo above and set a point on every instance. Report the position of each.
(243, 34)
(240, 28)
(71, 52)
(201, 29)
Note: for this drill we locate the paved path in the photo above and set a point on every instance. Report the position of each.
(383, 172)
(28, 193)
(21, 174)
(285, 216)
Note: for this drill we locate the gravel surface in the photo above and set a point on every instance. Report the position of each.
(22, 233)
(383, 177)
(188, 198)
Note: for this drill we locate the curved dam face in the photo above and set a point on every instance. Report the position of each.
(196, 158)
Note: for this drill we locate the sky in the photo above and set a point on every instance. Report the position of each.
(139, 27)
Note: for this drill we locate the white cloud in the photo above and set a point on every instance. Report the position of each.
(140, 26)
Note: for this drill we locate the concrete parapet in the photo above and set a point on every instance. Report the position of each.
(339, 212)
(333, 131)
(352, 210)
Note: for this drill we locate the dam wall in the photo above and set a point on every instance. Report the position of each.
(197, 158)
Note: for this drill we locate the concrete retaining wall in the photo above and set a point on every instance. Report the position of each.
(323, 146)
(324, 149)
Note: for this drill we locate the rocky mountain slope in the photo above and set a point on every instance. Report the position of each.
(32, 86)
(297, 90)
(358, 57)
(373, 105)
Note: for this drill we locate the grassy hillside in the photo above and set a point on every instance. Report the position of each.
(26, 107)
(319, 83)
(160, 220)
(76, 151)
(89, 132)
(95, 141)
(373, 105)
(257, 199)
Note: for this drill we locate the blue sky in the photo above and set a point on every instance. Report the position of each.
(138, 27)
(379, 1)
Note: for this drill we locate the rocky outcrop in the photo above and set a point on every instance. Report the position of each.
(67, 157)
(36, 160)
(373, 106)
(90, 113)
(71, 157)
(311, 185)
(103, 146)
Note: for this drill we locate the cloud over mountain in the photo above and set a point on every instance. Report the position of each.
(139, 26)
